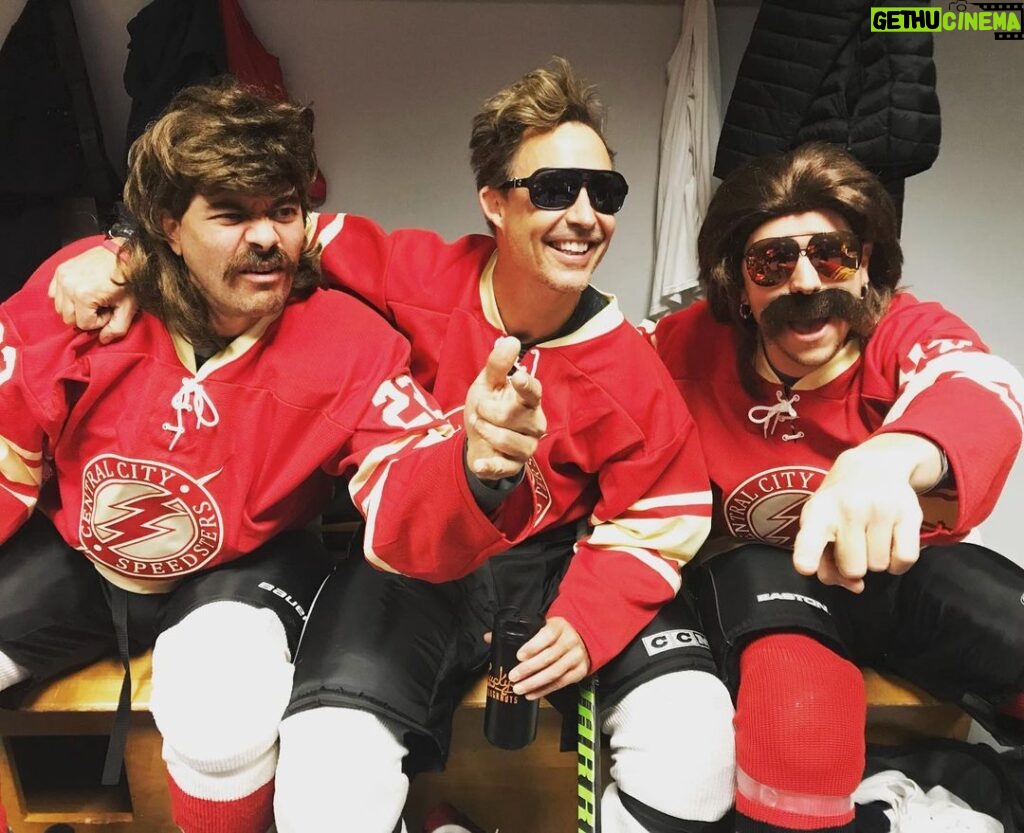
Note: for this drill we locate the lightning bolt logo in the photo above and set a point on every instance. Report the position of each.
(786, 520)
(147, 519)
(139, 518)
(767, 505)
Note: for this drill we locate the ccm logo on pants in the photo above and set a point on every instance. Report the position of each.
(670, 640)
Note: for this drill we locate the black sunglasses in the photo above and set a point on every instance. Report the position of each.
(554, 189)
(835, 255)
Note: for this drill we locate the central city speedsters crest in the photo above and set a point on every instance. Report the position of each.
(766, 507)
(147, 519)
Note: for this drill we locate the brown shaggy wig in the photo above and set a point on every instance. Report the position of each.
(221, 136)
(813, 177)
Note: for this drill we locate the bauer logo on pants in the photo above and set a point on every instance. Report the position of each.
(146, 519)
(658, 643)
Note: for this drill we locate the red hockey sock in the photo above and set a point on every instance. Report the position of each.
(800, 717)
(253, 813)
(1015, 708)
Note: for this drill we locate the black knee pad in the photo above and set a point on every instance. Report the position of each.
(673, 640)
(283, 575)
(960, 631)
(386, 644)
(753, 590)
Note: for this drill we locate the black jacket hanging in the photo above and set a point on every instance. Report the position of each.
(174, 44)
(816, 71)
(50, 142)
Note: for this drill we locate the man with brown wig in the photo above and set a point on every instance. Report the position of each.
(621, 502)
(854, 436)
(184, 460)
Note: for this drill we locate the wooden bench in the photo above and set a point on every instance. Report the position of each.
(53, 747)
(53, 750)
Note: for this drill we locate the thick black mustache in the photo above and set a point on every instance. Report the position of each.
(253, 260)
(827, 303)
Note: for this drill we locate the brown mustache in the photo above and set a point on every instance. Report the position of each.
(827, 303)
(252, 261)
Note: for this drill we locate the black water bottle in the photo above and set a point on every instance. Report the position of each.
(510, 720)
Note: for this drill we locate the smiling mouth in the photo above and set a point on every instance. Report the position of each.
(572, 247)
(808, 326)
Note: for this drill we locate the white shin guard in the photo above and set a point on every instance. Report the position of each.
(672, 749)
(340, 769)
(221, 681)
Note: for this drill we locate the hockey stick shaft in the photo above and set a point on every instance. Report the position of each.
(588, 759)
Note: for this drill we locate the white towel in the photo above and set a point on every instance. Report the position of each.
(690, 126)
(912, 810)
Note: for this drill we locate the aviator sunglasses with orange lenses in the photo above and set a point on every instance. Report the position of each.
(835, 255)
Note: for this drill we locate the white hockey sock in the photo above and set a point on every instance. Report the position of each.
(673, 749)
(221, 681)
(10, 672)
(340, 769)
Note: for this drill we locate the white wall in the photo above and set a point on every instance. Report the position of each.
(395, 83)
(964, 218)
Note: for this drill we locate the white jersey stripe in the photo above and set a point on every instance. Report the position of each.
(371, 470)
(20, 466)
(328, 232)
(373, 460)
(28, 500)
(684, 499)
(369, 508)
(990, 372)
(658, 565)
(677, 538)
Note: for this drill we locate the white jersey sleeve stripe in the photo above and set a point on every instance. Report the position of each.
(383, 452)
(373, 460)
(685, 499)
(990, 372)
(17, 465)
(28, 500)
(372, 503)
(658, 565)
(331, 230)
(677, 538)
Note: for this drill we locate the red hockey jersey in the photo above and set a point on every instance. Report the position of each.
(923, 371)
(162, 470)
(620, 449)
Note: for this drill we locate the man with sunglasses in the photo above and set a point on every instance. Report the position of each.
(622, 502)
(854, 436)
